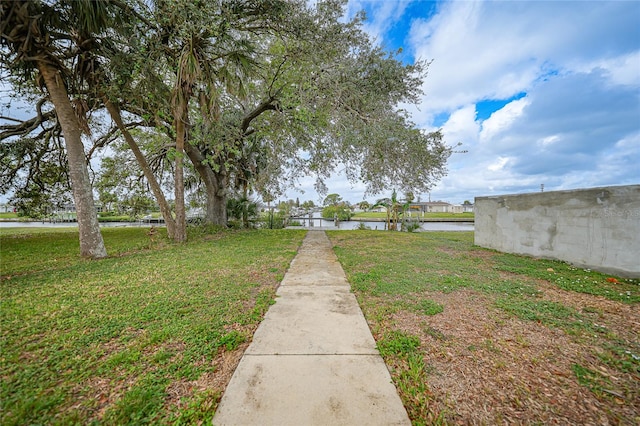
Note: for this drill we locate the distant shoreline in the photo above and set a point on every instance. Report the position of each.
(421, 219)
(382, 220)
(353, 219)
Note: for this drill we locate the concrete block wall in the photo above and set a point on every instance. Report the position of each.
(597, 228)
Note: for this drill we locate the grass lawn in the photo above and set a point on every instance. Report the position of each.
(474, 336)
(9, 215)
(383, 215)
(149, 335)
(153, 333)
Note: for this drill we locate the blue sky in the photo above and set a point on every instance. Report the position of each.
(538, 92)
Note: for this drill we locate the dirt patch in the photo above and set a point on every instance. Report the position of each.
(622, 319)
(481, 254)
(214, 381)
(487, 367)
(448, 250)
(225, 364)
(95, 396)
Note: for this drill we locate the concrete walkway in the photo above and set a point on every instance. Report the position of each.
(313, 360)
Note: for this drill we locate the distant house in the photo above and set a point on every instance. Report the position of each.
(7, 208)
(467, 208)
(360, 207)
(432, 207)
(66, 208)
(456, 208)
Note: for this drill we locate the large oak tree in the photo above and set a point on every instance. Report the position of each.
(323, 95)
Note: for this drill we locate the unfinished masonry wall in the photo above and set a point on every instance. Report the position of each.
(597, 228)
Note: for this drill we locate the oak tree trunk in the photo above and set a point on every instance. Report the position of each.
(217, 203)
(215, 188)
(91, 242)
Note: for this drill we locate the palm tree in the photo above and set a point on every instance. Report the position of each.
(387, 204)
(204, 64)
(42, 41)
(193, 67)
(212, 48)
(394, 208)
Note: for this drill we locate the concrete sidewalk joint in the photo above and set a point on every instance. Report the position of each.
(313, 360)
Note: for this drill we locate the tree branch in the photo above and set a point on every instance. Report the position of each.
(110, 136)
(134, 12)
(275, 77)
(267, 105)
(25, 127)
(2, 117)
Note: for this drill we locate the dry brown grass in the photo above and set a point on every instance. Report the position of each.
(487, 365)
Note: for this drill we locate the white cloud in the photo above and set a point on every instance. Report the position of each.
(498, 164)
(462, 127)
(548, 140)
(621, 70)
(494, 50)
(381, 17)
(501, 120)
(473, 59)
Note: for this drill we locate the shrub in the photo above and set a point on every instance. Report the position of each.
(341, 210)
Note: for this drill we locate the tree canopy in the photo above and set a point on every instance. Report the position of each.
(254, 95)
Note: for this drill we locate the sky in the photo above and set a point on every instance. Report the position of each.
(538, 92)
